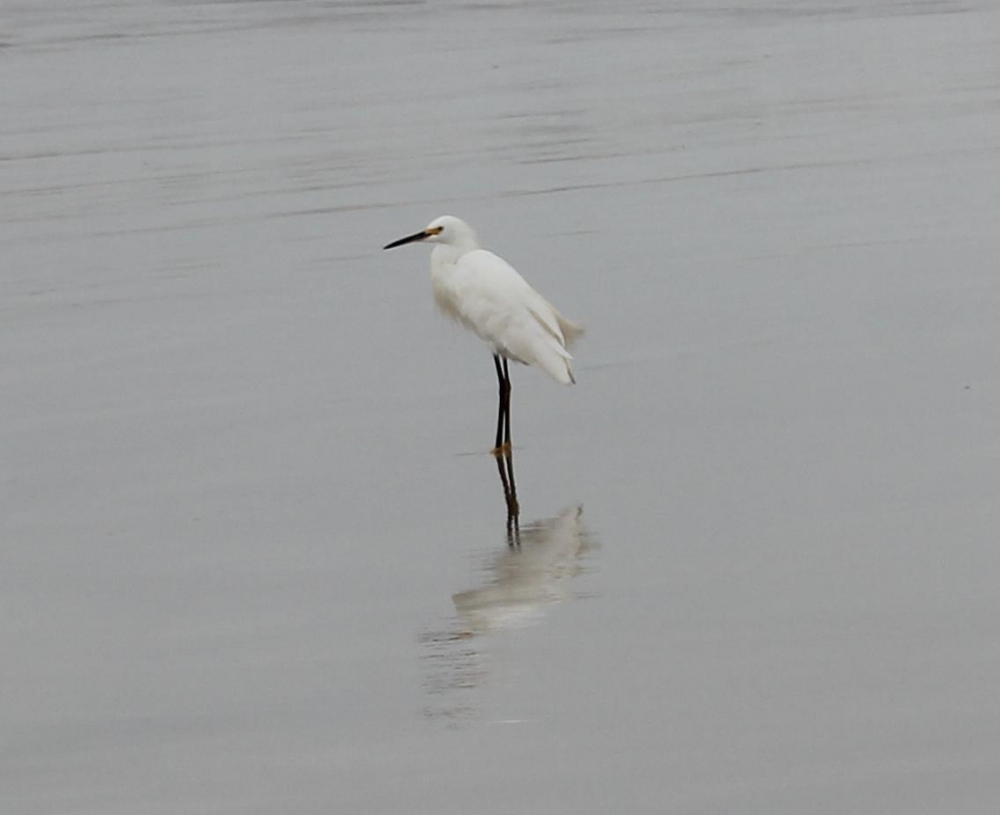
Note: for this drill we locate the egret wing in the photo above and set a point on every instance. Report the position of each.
(492, 299)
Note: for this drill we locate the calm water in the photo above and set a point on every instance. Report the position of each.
(254, 555)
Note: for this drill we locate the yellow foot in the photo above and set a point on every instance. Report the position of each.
(502, 450)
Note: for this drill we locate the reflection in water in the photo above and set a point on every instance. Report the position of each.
(520, 583)
(528, 576)
(505, 466)
(532, 572)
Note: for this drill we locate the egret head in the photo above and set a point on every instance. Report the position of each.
(445, 229)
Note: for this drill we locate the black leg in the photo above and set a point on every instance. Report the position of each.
(500, 410)
(506, 405)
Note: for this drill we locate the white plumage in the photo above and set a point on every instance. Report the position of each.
(487, 295)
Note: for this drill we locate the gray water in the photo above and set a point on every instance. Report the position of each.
(254, 555)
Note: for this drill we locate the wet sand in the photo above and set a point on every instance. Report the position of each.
(255, 555)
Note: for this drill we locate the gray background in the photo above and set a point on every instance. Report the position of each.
(253, 552)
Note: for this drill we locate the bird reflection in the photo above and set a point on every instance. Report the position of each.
(519, 584)
(529, 576)
(505, 466)
(532, 573)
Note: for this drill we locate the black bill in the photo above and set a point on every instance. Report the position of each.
(419, 236)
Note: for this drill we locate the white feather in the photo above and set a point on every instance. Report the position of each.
(488, 296)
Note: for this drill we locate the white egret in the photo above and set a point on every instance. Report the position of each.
(487, 295)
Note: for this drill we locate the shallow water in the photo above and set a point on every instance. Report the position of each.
(255, 555)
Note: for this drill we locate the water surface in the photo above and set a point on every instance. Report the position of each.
(255, 555)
